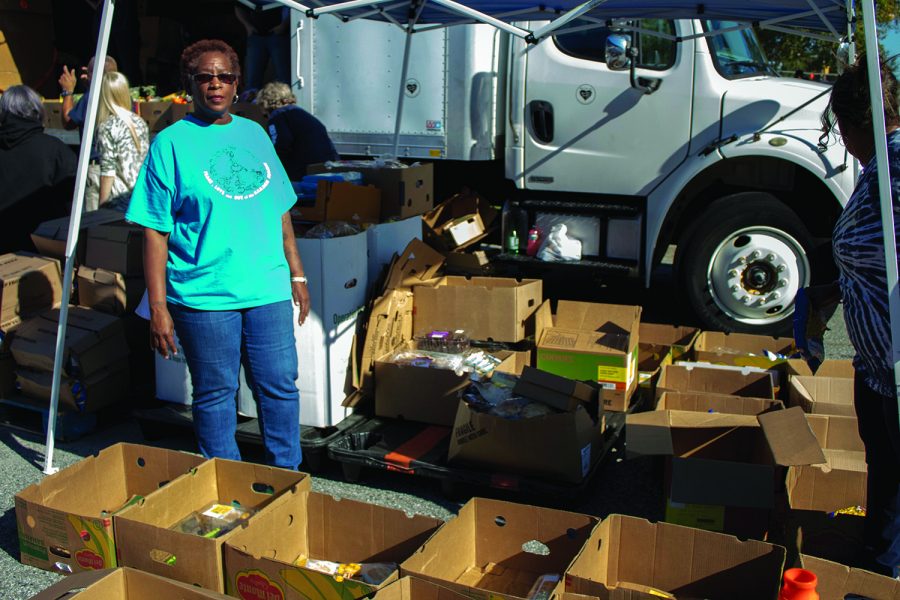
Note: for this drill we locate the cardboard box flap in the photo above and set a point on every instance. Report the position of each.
(837, 581)
(585, 340)
(716, 403)
(413, 588)
(559, 392)
(717, 342)
(667, 335)
(71, 585)
(618, 319)
(418, 263)
(790, 437)
(99, 276)
(390, 325)
(652, 433)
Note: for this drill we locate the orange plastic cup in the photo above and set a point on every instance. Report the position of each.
(799, 584)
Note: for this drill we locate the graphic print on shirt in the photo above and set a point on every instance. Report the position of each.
(237, 174)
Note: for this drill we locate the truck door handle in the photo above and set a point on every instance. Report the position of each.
(541, 120)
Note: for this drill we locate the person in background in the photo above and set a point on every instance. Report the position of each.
(37, 171)
(299, 138)
(75, 114)
(221, 260)
(267, 24)
(123, 139)
(858, 246)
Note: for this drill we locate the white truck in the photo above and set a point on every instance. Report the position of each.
(640, 135)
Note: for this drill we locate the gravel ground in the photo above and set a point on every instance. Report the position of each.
(628, 487)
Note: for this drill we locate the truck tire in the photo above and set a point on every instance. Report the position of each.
(742, 263)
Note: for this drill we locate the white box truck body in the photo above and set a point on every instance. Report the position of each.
(716, 154)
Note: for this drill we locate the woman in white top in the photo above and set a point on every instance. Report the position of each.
(123, 139)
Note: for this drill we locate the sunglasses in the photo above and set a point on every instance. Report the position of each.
(203, 78)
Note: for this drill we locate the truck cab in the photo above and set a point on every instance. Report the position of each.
(640, 135)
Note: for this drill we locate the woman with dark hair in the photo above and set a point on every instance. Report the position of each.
(37, 171)
(221, 260)
(858, 245)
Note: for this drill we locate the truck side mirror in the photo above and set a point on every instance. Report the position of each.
(617, 56)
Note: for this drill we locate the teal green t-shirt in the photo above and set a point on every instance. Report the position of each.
(220, 192)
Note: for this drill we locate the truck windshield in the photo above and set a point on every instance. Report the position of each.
(737, 54)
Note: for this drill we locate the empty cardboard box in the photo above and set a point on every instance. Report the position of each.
(481, 553)
(748, 383)
(486, 308)
(823, 395)
(631, 553)
(742, 349)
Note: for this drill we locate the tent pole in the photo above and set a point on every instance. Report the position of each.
(404, 71)
(84, 157)
(873, 64)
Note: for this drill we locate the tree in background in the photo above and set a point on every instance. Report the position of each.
(790, 53)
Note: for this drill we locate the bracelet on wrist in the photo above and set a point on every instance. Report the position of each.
(65, 93)
(300, 279)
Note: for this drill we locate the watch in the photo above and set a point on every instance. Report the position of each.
(65, 93)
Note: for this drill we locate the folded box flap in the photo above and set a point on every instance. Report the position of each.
(418, 263)
(790, 437)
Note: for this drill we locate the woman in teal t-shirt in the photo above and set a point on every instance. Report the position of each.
(221, 260)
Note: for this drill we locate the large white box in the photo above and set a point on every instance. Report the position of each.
(173, 382)
(338, 277)
(386, 239)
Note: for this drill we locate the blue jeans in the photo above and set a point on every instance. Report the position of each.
(261, 48)
(215, 344)
(880, 433)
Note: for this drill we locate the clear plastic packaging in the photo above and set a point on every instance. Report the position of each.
(332, 229)
(427, 359)
(213, 521)
(371, 573)
(449, 342)
(543, 587)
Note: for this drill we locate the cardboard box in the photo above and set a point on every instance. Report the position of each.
(123, 584)
(342, 201)
(108, 291)
(716, 403)
(50, 236)
(144, 534)
(116, 247)
(101, 388)
(93, 340)
(411, 588)
(748, 383)
(405, 192)
(741, 349)
(689, 563)
(250, 110)
(836, 581)
(593, 342)
(822, 395)
(677, 339)
(29, 284)
(829, 368)
(817, 491)
(724, 460)
(338, 274)
(465, 214)
(487, 308)
(561, 446)
(262, 558)
(53, 514)
(160, 114)
(386, 240)
(53, 118)
(480, 552)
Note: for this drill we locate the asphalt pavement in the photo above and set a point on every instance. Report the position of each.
(620, 486)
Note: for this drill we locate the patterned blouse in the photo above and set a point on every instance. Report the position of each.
(858, 246)
(119, 157)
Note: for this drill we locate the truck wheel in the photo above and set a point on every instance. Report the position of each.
(742, 263)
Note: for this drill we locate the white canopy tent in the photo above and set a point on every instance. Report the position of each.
(822, 19)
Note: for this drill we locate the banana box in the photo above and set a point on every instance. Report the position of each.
(65, 522)
(312, 545)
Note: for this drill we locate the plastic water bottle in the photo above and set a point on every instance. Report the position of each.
(512, 242)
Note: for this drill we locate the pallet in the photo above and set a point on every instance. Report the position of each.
(158, 422)
(421, 450)
(32, 416)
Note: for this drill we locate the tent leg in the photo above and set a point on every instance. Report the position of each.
(84, 157)
(884, 183)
